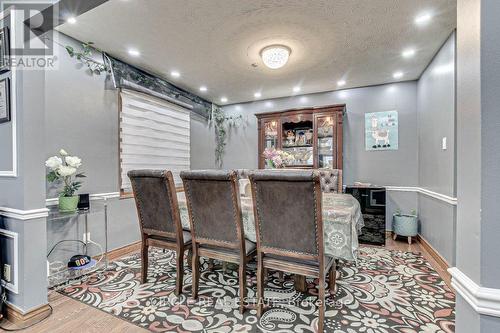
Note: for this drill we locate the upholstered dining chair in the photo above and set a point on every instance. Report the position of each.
(331, 180)
(159, 218)
(216, 226)
(289, 229)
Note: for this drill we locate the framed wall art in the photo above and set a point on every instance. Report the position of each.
(381, 130)
(4, 100)
(4, 50)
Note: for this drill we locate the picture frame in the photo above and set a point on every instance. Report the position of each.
(4, 100)
(4, 50)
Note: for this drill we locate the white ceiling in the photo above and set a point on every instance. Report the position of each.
(215, 42)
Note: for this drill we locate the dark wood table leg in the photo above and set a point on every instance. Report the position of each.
(300, 283)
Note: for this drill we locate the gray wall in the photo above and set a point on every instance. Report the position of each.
(478, 154)
(83, 118)
(27, 190)
(436, 119)
(396, 167)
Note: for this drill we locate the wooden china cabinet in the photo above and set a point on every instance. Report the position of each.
(313, 136)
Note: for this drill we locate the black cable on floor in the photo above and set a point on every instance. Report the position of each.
(23, 328)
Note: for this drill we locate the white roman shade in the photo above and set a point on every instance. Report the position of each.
(154, 134)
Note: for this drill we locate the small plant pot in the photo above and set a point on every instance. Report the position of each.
(405, 225)
(68, 204)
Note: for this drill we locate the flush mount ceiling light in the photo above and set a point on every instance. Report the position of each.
(341, 83)
(71, 20)
(275, 56)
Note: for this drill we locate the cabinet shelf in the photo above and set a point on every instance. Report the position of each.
(319, 128)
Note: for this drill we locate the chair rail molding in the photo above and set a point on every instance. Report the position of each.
(95, 196)
(20, 214)
(485, 301)
(443, 197)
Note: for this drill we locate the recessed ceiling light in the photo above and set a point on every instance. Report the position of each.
(203, 89)
(223, 99)
(71, 20)
(175, 74)
(275, 56)
(408, 53)
(423, 19)
(397, 75)
(257, 95)
(341, 83)
(134, 52)
(296, 89)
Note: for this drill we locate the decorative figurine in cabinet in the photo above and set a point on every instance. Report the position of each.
(312, 136)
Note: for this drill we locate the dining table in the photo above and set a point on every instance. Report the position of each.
(342, 222)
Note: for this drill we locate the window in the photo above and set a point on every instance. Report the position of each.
(154, 134)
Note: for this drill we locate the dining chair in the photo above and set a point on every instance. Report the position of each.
(331, 180)
(216, 226)
(289, 229)
(159, 218)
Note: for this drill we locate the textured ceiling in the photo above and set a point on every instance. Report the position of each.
(214, 43)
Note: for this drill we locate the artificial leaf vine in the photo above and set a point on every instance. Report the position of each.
(85, 57)
(222, 124)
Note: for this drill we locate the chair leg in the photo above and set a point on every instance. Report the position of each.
(281, 276)
(260, 286)
(195, 272)
(394, 236)
(409, 240)
(144, 261)
(300, 283)
(321, 299)
(332, 277)
(266, 275)
(180, 272)
(211, 265)
(243, 285)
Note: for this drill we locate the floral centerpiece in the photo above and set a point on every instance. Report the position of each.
(64, 169)
(277, 158)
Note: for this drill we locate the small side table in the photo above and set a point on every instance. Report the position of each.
(80, 222)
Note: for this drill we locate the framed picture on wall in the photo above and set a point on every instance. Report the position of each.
(4, 100)
(4, 50)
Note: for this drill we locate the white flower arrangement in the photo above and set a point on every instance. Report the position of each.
(65, 168)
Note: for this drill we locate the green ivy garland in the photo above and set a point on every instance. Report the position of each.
(85, 57)
(222, 125)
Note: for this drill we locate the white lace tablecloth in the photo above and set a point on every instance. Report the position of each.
(342, 221)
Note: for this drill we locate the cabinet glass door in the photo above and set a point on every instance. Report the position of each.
(271, 134)
(326, 141)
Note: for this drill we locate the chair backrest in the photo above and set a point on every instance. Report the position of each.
(287, 209)
(156, 201)
(331, 180)
(213, 204)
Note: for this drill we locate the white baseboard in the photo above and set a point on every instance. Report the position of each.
(483, 300)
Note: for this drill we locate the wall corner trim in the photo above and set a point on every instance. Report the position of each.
(421, 190)
(24, 215)
(485, 301)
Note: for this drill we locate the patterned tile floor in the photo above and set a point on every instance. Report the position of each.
(388, 291)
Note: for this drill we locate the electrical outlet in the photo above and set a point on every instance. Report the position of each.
(6, 273)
